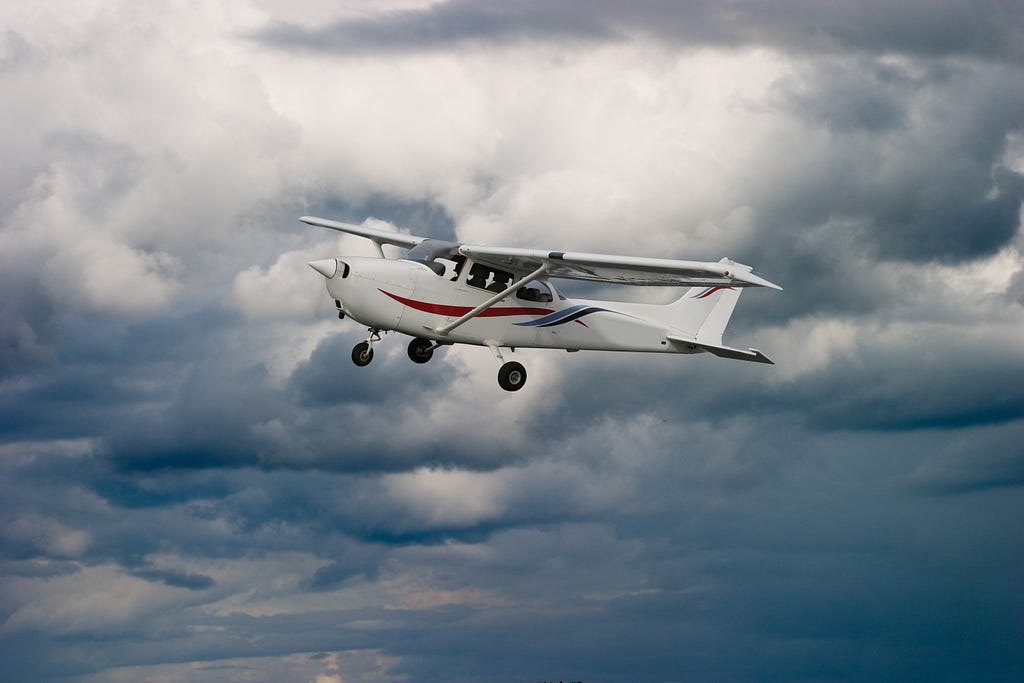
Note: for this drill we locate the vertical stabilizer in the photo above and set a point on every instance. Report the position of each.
(703, 312)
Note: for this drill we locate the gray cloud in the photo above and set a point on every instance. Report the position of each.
(921, 28)
(444, 25)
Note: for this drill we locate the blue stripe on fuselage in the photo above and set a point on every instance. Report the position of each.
(567, 315)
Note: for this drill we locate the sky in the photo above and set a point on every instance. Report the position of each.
(198, 485)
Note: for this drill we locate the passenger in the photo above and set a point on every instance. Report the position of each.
(501, 281)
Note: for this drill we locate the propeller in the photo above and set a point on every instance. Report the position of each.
(327, 267)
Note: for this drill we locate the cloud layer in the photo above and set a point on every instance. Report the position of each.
(198, 483)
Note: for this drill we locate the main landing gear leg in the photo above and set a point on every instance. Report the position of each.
(511, 375)
(362, 354)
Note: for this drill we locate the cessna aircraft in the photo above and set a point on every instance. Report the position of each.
(444, 293)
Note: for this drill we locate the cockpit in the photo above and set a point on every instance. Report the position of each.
(444, 259)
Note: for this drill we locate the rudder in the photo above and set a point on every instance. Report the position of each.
(703, 312)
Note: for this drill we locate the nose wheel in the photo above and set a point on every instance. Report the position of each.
(362, 354)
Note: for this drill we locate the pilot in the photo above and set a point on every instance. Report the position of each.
(533, 293)
(527, 294)
(478, 276)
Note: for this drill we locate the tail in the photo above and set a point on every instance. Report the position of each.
(703, 312)
(701, 316)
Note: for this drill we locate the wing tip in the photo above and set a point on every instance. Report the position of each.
(756, 280)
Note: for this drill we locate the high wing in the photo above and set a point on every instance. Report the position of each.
(379, 236)
(625, 270)
(613, 269)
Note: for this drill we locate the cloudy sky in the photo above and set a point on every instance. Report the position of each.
(196, 483)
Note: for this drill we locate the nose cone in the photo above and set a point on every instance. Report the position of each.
(326, 267)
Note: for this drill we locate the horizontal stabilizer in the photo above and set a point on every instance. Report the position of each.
(753, 355)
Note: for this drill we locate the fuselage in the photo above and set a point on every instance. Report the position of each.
(416, 298)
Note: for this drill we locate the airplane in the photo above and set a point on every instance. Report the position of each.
(442, 293)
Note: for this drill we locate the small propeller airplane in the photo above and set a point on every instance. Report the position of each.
(444, 293)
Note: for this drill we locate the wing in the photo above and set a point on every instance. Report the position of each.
(625, 270)
(379, 236)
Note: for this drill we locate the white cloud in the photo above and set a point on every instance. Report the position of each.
(449, 497)
(111, 277)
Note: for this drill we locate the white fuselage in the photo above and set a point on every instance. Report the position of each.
(409, 297)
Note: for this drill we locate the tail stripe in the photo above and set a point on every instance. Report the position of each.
(708, 292)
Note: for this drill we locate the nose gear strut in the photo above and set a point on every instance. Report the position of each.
(362, 354)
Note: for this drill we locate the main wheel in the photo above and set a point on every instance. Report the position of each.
(420, 350)
(512, 376)
(362, 354)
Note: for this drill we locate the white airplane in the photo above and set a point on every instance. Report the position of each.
(444, 293)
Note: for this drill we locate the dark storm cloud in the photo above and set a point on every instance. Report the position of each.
(923, 28)
(914, 166)
(25, 309)
(327, 378)
(421, 216)
(441, 26)
(864, 95)
(986, 460)
(887, 384)
(177, 579)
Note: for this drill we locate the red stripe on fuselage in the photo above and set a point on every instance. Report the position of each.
(458, 311)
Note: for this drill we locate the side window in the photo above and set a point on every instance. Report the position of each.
(491, 279)
(478, 276)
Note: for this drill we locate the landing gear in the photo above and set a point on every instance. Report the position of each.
(421, 350)
(512, 376)
(362, 354)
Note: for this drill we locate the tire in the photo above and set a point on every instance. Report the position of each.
(362, 354)
(512, 376)
(420, 351)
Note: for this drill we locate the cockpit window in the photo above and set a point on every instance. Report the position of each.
(535, 291)
(453, 266)
(440, 256)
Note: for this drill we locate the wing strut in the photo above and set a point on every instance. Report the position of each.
(445, 329)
